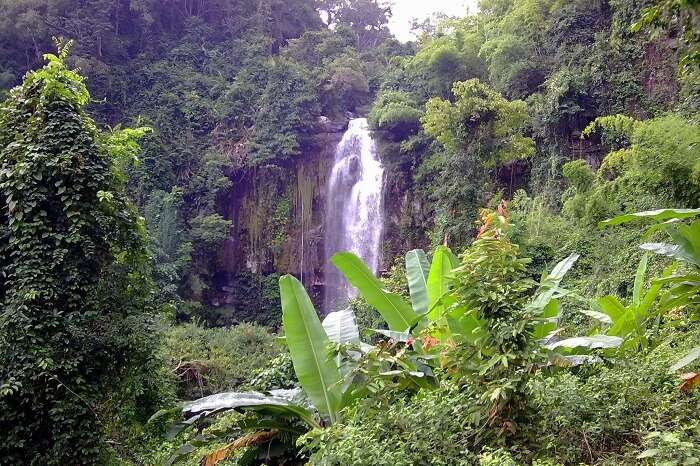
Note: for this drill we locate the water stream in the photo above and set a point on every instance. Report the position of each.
(354, 218)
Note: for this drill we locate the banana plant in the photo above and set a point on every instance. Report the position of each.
(432, 306)
(624, 326)
(684, 288)
(428, 286)
(278, 417)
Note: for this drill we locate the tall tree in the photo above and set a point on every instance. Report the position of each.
(73, 275)
(368, 18)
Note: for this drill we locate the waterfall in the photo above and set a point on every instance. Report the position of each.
(353, 211)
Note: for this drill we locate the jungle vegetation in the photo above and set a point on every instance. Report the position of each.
(539, 302)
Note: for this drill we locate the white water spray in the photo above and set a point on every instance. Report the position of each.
(354, 218)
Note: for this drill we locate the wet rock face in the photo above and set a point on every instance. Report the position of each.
(276, 210)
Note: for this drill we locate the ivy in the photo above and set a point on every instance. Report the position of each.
(73, 272)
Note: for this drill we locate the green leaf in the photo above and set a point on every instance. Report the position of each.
(397, 313)
(340, 327)
(464, 322)
(599, 316)
(398, 336)
(648, 453)
(687, 359)
(658, 215)
(308, 344)
(417, 276)
(549, 285)
(687, 237)
(562, 268)
(548, 323)
(612, 306)
(279, 403)
(592, 342)
(444, 261)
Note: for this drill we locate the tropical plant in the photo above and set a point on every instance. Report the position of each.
(684, 285)
(331, 377)
(428, 286)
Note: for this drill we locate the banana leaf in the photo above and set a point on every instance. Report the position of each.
(438, 283)
(417, 276)
(397, 313)
(308, 344)
(658, 215)
(592, 342)
(340, 327)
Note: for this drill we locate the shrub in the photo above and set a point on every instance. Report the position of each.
(428, 428)
(603, 413)
(211, 360)
(397, 113)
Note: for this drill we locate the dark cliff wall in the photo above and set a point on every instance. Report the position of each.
(277, 214)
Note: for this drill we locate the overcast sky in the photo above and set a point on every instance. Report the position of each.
(405, 10)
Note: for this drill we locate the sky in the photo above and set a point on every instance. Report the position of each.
(405, 10)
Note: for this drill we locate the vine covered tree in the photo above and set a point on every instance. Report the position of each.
(73, 273)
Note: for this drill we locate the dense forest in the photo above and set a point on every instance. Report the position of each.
(165, 168)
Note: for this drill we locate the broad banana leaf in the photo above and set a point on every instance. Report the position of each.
(687, 359)
(658, 215)
(686, 247)
(308, 343)
(612, 306)
(561, 269)
(397, 313)
(340, 327)
(444, 261)
(276, 403)
(398, 336)
(549, 320)
(599, 316)
(417, 276)
(549, 285)
(592, 342)
(634, 316)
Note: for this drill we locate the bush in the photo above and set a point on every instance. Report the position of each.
(428, 428)
(606, 414)
(212, 360)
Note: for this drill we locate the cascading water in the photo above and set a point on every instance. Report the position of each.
(354, 218)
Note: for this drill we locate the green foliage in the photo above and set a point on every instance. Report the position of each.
(277, 373)
(212, 360)
(491, 286)
(602, 413)
(209, 231)
(579, 174)
(480, 121)
(396, 112)
(480, 131)
(426, 429)
(77, 324)
(670, 14)
(617, 129)
(654, 169)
